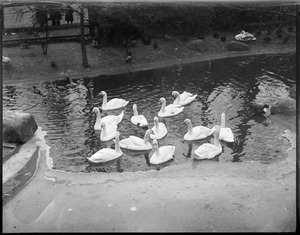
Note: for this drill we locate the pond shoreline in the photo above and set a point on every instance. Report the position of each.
(127, 68)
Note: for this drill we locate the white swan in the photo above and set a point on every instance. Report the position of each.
(159, 129)
(107, 154)
(170, 110)
(162, 154)
(184, 98)
(207, 150)
(108, 131)
(136, 143)
(226, 133)
(244, 36)
(137, 119)
(6, 60)
(115, 103)
(109, 119)
(197, 132)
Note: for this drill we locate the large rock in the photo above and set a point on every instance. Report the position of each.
(284, 106)
(293, 92)
(18, 127)
(238, 46)
(197, 45)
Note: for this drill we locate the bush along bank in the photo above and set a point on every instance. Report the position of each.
(115, 24)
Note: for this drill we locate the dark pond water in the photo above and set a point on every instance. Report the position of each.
(226, 85)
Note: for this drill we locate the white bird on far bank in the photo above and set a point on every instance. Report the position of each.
(6, 60)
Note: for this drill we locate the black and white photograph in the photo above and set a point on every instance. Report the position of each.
(156, 116)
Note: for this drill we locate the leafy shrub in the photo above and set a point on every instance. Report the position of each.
(116, 24)
(121, 22)
(252, 17)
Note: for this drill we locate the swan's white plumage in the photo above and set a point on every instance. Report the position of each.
(136, 143)
(184, 98)
(170, 110)
(226, 133)
(109, 119)
(162, 154)
(115, 103)
(6, 60)
(159, 129)
(197, 132)
(107, 154)
(207, 150)
(108, 131)
(137, 119)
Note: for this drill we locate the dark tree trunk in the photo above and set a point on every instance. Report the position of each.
(45, 48)
(82, 39)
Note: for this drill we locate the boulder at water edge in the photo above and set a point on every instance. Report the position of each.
(197, 45)
(18, 127)
(238, 46)
(284, 106)
(293, 92)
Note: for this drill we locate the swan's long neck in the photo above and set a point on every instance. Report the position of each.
(104, 99)
(98, 116)
(135, 112)
(156, 149)
(190, 128)
(117, 146)
(222, 120)
(121, 115)
(163, 105)
(216, 139)
(177, 100)
(146, 137)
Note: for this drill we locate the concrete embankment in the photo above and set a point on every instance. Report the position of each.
(199, 196)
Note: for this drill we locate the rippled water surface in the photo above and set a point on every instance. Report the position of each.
(226, 85)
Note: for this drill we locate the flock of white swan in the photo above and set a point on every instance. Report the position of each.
(108, 126)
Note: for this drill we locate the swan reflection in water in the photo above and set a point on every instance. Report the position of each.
(196, 162)
(196, 142)
(146, 153)
(106, 166)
